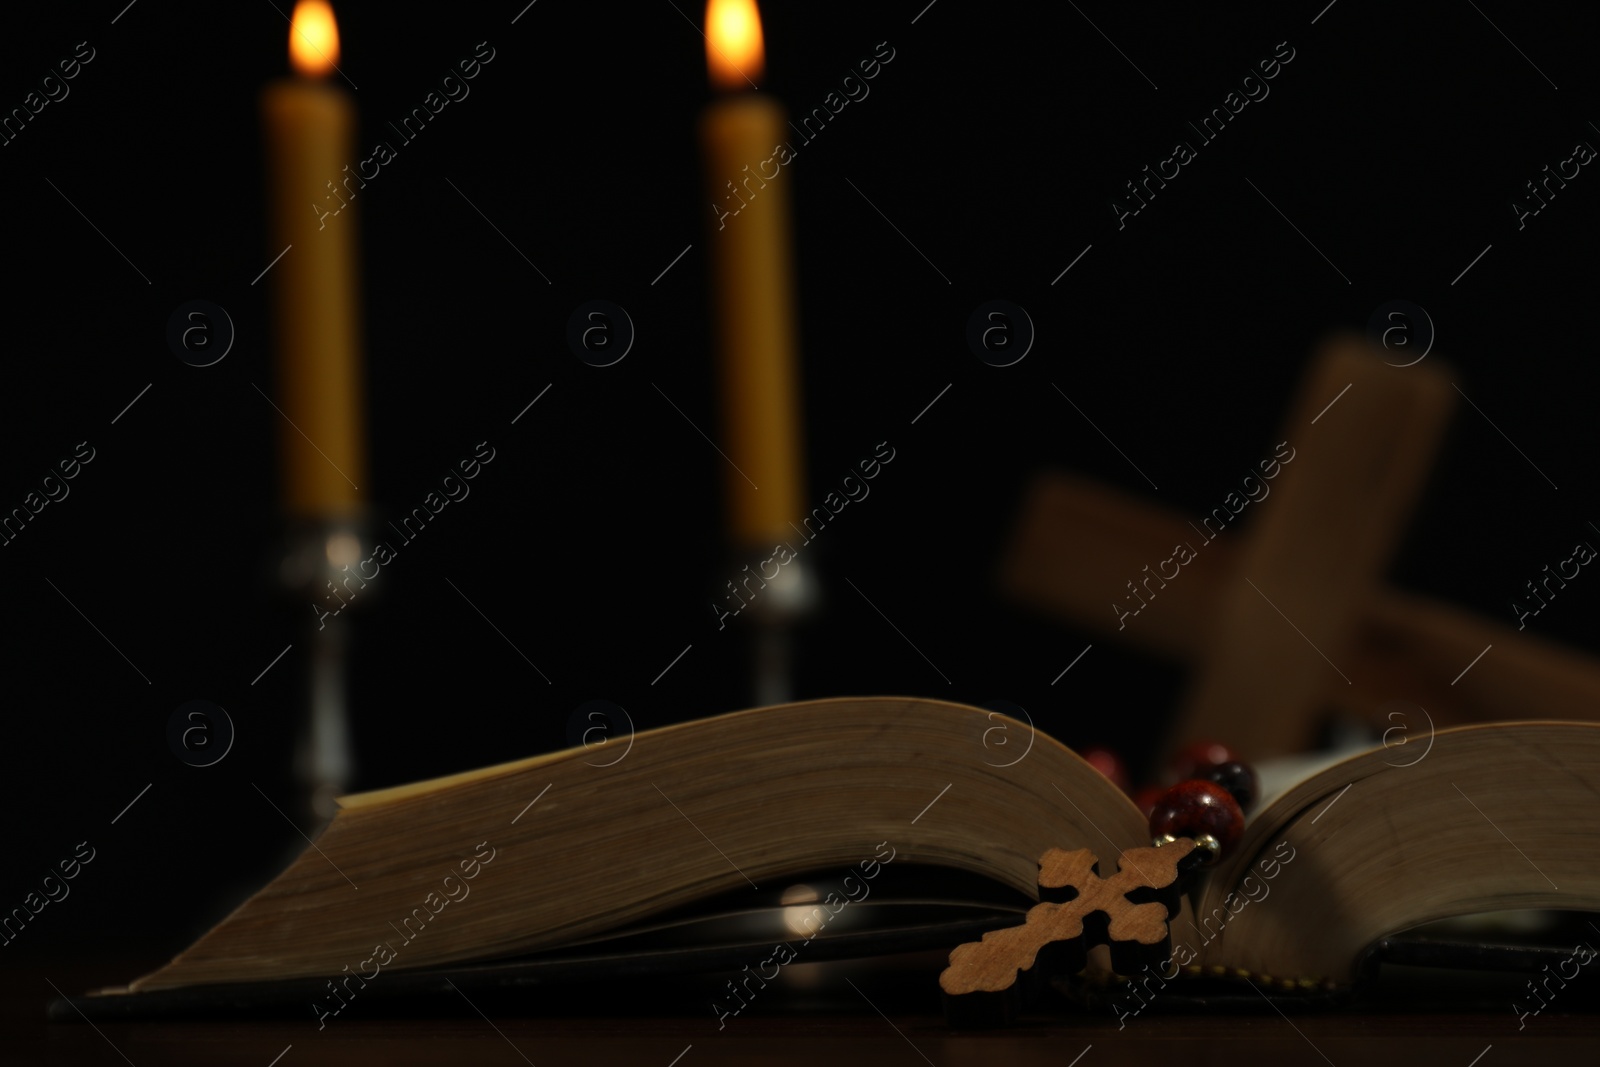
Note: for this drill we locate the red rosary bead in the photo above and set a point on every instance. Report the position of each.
(1196, 807)
(1239, 779)
(1195, 759)
(1147, 798)
(1107, 763)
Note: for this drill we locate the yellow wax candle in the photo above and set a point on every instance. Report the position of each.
(310, 133)
(752, 284)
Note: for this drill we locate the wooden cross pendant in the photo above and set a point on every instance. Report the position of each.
(1078, 909)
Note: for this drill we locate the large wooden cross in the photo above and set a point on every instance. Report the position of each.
(1291, 617)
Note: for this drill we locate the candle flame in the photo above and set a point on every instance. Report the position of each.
(735, 53)
(313, 38)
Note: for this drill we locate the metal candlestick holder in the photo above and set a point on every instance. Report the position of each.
(321, 569)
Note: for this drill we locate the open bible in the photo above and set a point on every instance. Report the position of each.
(523, 858)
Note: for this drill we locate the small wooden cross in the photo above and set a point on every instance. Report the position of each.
(1289, 617)
(1078, 909)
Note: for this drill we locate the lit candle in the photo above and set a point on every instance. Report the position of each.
(310, 128)
(752, 283)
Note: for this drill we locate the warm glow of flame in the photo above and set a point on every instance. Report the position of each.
(734, 50)
(313, 38)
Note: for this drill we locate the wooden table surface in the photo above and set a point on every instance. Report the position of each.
(833, 1025)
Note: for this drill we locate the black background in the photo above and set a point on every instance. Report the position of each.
(994, 141)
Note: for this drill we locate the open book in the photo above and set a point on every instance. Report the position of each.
(541, 853)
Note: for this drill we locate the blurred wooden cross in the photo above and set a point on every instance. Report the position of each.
(1291, 617)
